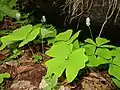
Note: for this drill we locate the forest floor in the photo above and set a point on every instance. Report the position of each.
(25, 74)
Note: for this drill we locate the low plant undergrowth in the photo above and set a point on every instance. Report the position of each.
(68, 55)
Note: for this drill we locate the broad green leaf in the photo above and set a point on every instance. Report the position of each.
(73, 37)
(116, 60)
(64, 36)
(108, 46)
(76, 45)
(56, 66)
(94, 62)
(114, 70)
(117, 82)
(61, 49)
(90, 41)
(89, 49)
(33, 34)
(17, 35)
(103, 52)
(101, 41)
(45, 33)
(76, 62)
(115, 52)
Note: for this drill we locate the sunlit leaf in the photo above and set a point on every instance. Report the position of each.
(116, 60)
(101, 41)
(89, 49)
(90, 41)
(64, 36)
(56, 66)
(73, 37)
(115, 52)
(17, 35)
(103, 52)
(3, 76)
(61, 49)
(94, 62)
(76, 45)
(108, 46)
(114, 70)
(76, 62)
(33, 34)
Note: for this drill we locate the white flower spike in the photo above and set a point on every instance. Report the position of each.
(88, 21)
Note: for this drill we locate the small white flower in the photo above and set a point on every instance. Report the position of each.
(88, 21)
(18, 15)
(43, 19)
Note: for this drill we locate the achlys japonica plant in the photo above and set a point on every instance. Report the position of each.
(4, 76)
(6, 9)
(27, 33)
(66, 56)
(100, 53)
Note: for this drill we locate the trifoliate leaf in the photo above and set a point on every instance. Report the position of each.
(73, 37)
(101, 41)
(17, 35)
(90, 41)
(56, 66)
(61, 49)
(103, 52)
(117, 82)
(116, 60)
(114, 70)
(33, 34)
(45, 33)
(115, 52)
(76, 62)
(94, 62)
(64, 36)
(89, 49)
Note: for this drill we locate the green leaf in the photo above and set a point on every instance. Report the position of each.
(76, 62)
(108, 46)
(45, 33)
(56, 66)
(115, 52)
(17, 35)
(117, 82)
(4, 75)
(61, 49)
(54, 81)
(73, 37)
(37, 58)
(116, 60)
(103, 52)
(31, 36)
(5, 10)
(114, 70)
(90, 41)
(76, 45)
(89, 49)
(101, 41)
(64, 36)
(94, 62)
